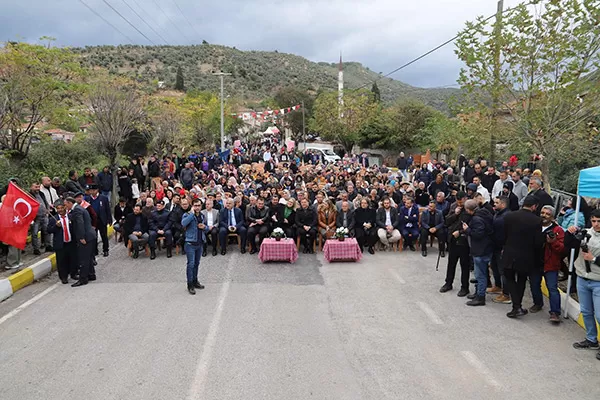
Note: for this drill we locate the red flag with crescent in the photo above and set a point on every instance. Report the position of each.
(18, 210)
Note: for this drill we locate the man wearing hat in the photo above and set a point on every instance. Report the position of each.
(84, 235)
(101, 206)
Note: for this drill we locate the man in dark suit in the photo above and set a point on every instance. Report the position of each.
(160, 226)
(63, 243)
(388, 223)
(345, 218)
(306, 225)
(258, 224)
(522, 252)
(231, 221)
(101, 206)
(135, 229)
(121, 211)
(84, 236)
(432, 224)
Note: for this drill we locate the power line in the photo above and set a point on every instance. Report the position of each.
(126, 20)
(427, 53)
(169, 18)
(105, 20)
(186, 18)
(147, 14)
(144, 21)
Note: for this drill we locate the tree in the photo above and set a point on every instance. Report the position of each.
(179, 84)
(116, 108)
(291, 96)
(166, 121)
(376, 92)
(407, 118)
(549, 49)
(358, 109)
(35, 82)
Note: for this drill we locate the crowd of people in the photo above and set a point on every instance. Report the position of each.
(500, 221)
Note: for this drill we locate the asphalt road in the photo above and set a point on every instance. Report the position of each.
(377, 329)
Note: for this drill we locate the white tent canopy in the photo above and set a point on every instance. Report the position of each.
(272, 130)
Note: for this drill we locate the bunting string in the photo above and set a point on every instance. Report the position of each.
(262, 115)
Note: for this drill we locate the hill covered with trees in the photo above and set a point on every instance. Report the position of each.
(256, 75)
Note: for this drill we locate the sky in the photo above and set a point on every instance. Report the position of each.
(380, 34)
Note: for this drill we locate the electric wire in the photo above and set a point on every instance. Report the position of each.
(169, 18)
(429, 52)
(126, 20)
(144, 21)
(107, 22)
(152, 21)
(186, 18)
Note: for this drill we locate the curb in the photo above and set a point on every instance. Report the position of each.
(572, 307)
(30, 274)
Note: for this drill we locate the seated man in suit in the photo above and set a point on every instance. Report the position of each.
(345, 218)
(211, 219)
(306, 225)
(409, 223)
(258, 224)
(63, 243)
(160, 226)
(231, 221)
(388, 223)
(135, 229)
(121, 211)
(432, 224)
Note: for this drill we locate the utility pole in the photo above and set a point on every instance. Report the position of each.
(495, 94)
(222, 74)
(303, 126)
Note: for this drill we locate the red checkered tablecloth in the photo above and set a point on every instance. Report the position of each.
(346, 250)
(272, 250)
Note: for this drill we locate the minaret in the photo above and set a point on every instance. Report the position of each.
(340, 88)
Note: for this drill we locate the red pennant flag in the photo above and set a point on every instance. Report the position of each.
(297, 106)
(276, 112)
(253, 115)
(289, 109)
(18, 210)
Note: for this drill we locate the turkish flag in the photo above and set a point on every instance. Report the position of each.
(17, 212)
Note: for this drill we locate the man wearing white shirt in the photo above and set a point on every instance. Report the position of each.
(499, 184)
(480, 189)
(267, 156)
(211, 216)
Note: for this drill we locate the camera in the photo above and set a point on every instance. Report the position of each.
(583, 236)
(551, 235)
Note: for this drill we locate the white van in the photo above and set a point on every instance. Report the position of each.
(328, 154)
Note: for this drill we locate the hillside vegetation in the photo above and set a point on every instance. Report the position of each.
(256, 75)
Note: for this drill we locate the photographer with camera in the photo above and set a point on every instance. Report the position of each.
(587, 266)
(553, 251)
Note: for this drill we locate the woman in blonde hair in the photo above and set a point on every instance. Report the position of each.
(327, 214)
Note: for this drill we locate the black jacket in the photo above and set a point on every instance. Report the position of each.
(130, 224)
(481, 233)
(499, 228)
(364, 215)
(380, 218)
(454, 223)
(159, 221)
(81, 222)
(58, 242)
(175, 217)
(121, 214)
(524, 241)
(306, 217)
(544, 199)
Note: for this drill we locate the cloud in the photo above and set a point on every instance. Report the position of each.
(380, 34)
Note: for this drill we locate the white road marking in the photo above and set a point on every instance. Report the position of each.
(433, 317)
(197, 388)
(397, 276)
(27, 304)
(481, 368)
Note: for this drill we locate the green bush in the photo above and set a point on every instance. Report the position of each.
(52, 158)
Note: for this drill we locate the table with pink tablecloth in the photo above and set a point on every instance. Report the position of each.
(342, 250)
(273, 250)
